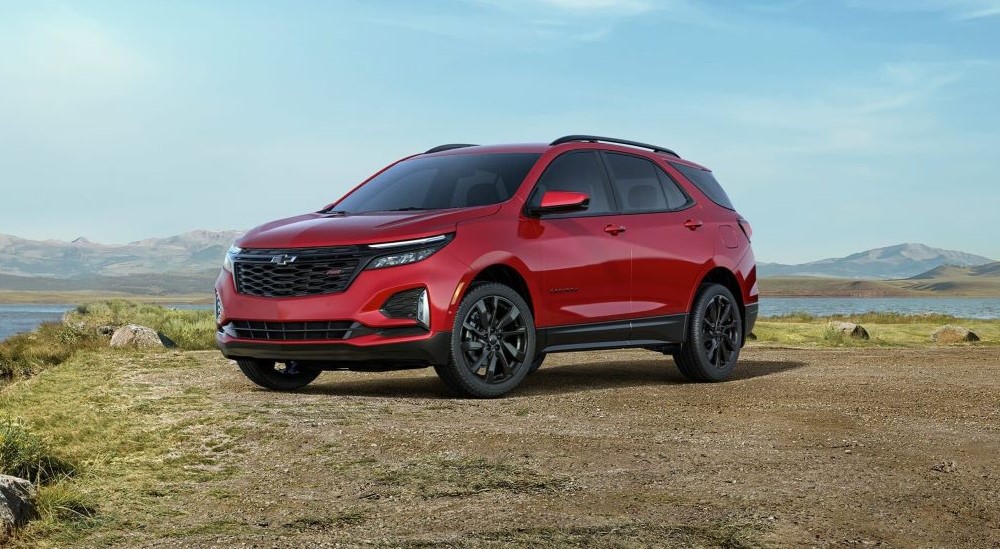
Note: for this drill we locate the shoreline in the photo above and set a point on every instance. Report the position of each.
(80, 297)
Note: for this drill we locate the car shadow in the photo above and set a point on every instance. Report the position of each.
(554, 379)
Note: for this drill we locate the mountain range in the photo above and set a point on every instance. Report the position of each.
(892, 262)
(191, 252)
(188, 264)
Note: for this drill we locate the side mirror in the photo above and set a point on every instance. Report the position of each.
(562, 201)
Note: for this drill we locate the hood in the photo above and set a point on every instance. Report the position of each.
(319, 230)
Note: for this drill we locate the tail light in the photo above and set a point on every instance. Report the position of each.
(747, 230)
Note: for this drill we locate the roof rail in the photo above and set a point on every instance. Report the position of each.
(448, 147)
(596, 138)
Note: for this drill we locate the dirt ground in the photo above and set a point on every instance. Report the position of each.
(803, 448)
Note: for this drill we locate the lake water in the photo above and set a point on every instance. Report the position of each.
(17, 318)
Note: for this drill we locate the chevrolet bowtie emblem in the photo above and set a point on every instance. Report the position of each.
(284, 259)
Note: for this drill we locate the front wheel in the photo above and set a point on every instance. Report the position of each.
(492, 343)
(277, 377)
(714, 336)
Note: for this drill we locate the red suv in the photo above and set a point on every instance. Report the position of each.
(480, 260)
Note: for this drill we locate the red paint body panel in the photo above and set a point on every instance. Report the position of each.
(560, 199)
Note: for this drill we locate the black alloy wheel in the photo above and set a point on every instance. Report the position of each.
(494, 337)
(714, 336)
(720, 334)
(493, 342)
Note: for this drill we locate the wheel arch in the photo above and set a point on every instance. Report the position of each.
(725, 277)
(507, 275)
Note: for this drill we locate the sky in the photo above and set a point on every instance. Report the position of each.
(835, 125)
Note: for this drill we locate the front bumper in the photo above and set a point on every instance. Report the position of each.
(380, 341)
(428, 351)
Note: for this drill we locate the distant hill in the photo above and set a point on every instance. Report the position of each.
(892, 262)
(990, 270)
(945, 280)
(186, 254)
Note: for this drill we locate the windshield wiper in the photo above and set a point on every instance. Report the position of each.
(406, 209)
(334, 212)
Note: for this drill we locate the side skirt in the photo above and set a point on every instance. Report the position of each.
(653, 333)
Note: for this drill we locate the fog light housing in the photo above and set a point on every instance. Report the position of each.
(424, 309)
(218, 309)
(409, 304)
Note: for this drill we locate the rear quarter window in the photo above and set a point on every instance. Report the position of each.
(706, 183)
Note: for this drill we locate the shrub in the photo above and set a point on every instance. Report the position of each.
(189, 329)
(52, 343)
(22, 454)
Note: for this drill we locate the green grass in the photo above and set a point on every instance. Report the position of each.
(885, 330)
(126, 441)
(868, 318)
(190, 330)
(728, 533)
(443, 476)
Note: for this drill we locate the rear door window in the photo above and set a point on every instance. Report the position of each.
(642, 186)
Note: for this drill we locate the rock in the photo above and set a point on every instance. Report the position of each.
(953, 334)
(133, 335)
(850, 329)
(17, 503)
(945, 467)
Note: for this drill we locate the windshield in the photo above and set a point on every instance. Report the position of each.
(441, 182)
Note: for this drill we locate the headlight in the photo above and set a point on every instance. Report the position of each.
(414, 250)
(231, 254)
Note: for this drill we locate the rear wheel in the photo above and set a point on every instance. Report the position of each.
(277, 377)
(492, 343)
(714, 337)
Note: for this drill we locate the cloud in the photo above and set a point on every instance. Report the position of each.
(535, 24)
(894, 110)
(67, 80)
(580, 7)
(956, 10)
(67, 47)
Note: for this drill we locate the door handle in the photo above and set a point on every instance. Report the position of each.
(614, 230)
(693, 224)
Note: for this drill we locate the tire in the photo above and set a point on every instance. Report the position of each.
(537, 363)
(266, 374)
(490, 356)
(714, 336)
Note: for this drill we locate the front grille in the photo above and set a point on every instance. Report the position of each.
(292, 331)
(296, 272)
